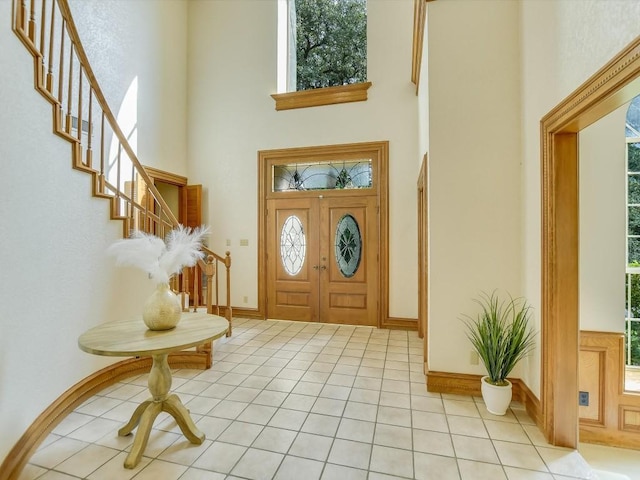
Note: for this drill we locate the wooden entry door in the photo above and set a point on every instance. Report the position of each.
(322, 259)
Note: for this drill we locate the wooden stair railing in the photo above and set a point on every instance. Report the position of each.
(81, 115)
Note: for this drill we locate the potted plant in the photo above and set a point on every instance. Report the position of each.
(501, 335)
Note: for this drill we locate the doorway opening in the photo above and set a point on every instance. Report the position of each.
(612, 86)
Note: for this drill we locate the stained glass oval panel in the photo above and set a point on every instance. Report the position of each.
(293, 245)
(348, 245)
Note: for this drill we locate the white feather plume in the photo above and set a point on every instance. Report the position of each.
(183, 248)
(160, 260)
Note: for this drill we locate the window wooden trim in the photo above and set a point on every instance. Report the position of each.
(419, 21)
(355, 92)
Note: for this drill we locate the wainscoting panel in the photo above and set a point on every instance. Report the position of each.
(613, 415)
(592, 377)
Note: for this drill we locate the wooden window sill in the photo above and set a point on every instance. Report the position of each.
(356, 92)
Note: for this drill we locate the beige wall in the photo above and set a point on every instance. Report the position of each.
(56, 278)
(563, 43)
(232, 73)
(474, 162)
(495, 69)
(603, 223)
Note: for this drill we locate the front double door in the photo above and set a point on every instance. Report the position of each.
(322, 259)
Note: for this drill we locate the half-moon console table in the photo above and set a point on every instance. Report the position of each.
(131, 338)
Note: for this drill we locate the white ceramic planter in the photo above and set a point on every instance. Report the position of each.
(496, 399)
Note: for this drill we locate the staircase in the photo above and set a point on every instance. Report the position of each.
(99, 147)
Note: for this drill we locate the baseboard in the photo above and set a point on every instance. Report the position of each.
(609, 437)
(400, 323)
(252, 313)
(390, 322)
(469, 384)
(37, 432)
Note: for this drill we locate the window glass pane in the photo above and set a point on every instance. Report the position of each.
(634, 251)
(633, 118)
(634, 157)
(293, 245)
(634, 220)
(331, 43)
(322, 175)
(633, 189)
(348, 245)
(633, 352)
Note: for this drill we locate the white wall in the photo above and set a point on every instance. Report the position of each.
(602, 173)
(563, 43)
(128, 39)
(56, 279)
(474, 162)
(232, 72)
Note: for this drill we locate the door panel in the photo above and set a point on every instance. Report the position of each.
(292, 286)
(192, 206)
(349, 296)
(318, 287)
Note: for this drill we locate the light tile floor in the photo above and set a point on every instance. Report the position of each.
(301, 401)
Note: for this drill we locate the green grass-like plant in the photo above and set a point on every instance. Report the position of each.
(500, 334)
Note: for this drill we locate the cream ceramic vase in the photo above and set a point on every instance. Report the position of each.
(496, 398)
(162, 310)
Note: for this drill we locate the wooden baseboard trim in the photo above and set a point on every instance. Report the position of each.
(454, 383)
(37, 432)
(252, 313)
(469, 384)
(400, 323)
(531, 403)
(609, 437)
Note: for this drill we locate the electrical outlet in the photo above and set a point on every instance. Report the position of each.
(583, 399)
(245, 299)
(244, 242)
(473, 357)
(228, 242)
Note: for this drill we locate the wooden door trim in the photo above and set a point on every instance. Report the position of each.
(166, 177)
(172, 179)
(381, 151)
(423, 259)
(612, 86)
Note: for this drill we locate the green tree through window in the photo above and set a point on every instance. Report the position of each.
(331, 43)
(632, 278)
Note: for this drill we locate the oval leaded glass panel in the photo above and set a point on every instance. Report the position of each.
(293, 245)
(348, 245)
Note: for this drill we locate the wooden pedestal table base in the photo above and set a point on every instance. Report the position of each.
(131, 338)
(144, 416)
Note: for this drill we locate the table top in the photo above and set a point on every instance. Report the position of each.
(133, 338)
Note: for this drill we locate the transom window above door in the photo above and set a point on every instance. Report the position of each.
(330, 175)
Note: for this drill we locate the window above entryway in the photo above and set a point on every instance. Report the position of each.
(322, 52)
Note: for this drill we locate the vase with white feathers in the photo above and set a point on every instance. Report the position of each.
(161, 260)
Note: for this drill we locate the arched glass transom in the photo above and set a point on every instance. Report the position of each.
(348, 245)
(293, 245)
